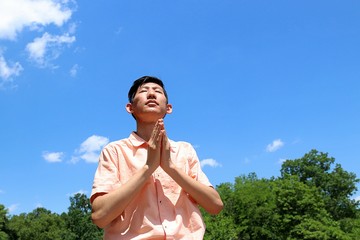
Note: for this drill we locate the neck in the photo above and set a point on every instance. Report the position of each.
(144, 129)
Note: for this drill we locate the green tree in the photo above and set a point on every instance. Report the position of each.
(311, 200)
(222, 226)
(3, 223)
(254, 208)
(78, 219)
(336, 185)
(248, 213)
(301, 209)
(40, 224)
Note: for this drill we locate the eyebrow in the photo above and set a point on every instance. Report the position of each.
(153, 87)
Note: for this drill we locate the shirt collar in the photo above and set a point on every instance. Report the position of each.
(137, 141)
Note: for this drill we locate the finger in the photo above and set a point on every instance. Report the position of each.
(161, 123)
(154, 138)
(156, 130)
(164, 138)
(160, 136)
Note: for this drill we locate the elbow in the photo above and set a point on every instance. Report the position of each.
(216, 208)
(216, 204)
(98, 220)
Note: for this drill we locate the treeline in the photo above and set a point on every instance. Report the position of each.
(42, 224)
(310, 200)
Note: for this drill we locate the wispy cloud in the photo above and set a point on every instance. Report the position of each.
(89, 150)
(275, 145)
(13, 207)
(20, 14)
(281, 161)
(53, 157)
(74, 70)
(35, 16)
(8, 70)
(47, 48)
(80, 191)
(209, 162)
(39, 205)
(357, 198)
(246, 161)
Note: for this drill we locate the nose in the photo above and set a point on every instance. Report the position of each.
(151, 93)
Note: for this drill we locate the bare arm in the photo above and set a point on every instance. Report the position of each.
(108, 206)
(207, 197)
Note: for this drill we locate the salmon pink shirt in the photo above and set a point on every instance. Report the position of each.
(162, 210)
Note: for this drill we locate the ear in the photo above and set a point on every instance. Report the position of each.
(129, 108)
(168, 108)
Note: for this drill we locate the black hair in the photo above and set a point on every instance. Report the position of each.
(145, 79)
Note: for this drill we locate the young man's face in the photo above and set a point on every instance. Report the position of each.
(149, 103)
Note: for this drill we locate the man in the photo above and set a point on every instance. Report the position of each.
(147, 186)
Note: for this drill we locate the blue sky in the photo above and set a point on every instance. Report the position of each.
(252, 83)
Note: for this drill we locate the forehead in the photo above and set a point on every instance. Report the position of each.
(150, 85)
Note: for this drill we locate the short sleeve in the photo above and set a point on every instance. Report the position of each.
(195, 168)
(106, 176)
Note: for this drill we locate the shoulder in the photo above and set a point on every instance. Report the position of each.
(179, 143)
(181, 146)
(117, 144)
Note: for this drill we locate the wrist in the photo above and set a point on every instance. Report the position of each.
(170, 168)
(147, 170)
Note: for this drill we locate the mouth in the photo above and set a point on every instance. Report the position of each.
(151, 102)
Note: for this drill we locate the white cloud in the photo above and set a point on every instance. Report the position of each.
(34, 14)
(12, 208)
(7, 71)
(209, 162)
(73, 71)
(90, 157)
(74, 159)
(90, 148)
(281, 161)
(39, 205)
(357, 198)
(88, 151)
(72, 28)
(53, 157)
(80, 191)
(247, 161)
(47, 48)
(275, 145)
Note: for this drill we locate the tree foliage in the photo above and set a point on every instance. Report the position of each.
(3, 223)
(42, 224)
(310, 200)
(78, 219)
(335, 185)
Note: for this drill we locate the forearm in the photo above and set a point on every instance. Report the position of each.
(107, 207)
(206, 196)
